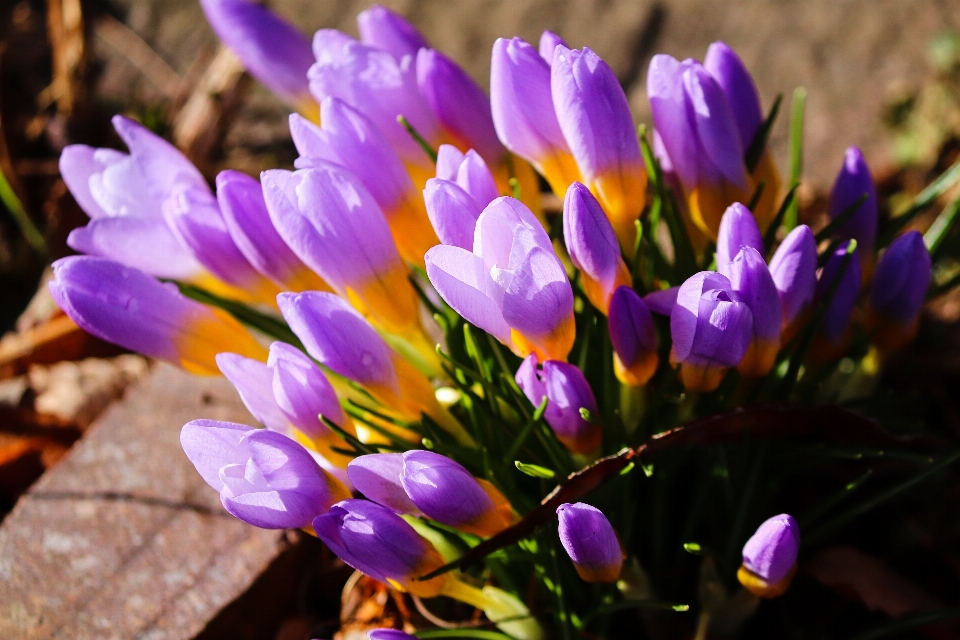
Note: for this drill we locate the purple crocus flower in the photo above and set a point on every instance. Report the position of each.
(853, 181)
(711, 327)
(349, 139)
(567, 392)
(794, 271)
(590, 541)
(593, 247)
(699, 132)
(738, 228)
(264, 478)
(899, 287)
(595, 119)
(751, 279)
(512, 285)
(548, 45)
(459, 104)
(523, 112)
(389, 634)
(377, 84)
(123, 194)
(634, 338)
(377, 542)
(127, 307)
(457, 196)
(836, 321)
(245, 215)
(384, 29)
(333, 224)
(770, 557)
(270, 48)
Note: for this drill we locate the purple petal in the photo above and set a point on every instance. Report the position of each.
(339, 338)
(539, 298)
(384, 29)
(710, 324)
(662, 302)
(632, 331)
(772, 551)
(443, 489)
(377, 477)
(301, 390)
(837, 316)
(728, 70)
(453, 212)
(475, 178)
(449, 159)
(80, 166)
(210, 445)
(901, 279)
(528, 379)
(389, 634)
(750, 277)
(794, 271)
(738, 229)
(852, 182)
(589, 237)
(673, 120)
(716, 127)
(548, 45)
(590, 541)
(253, 381)
(162, 165)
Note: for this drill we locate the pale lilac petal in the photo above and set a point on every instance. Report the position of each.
(210, 445)
(716, 127)
(750, 277)
(662, 302)
(452, 211)
(377, 477)
(301, 391)
(735, 81)
(475, 178)
(382, 28)
(449, 159)
(738, 228)
(589, 237)
(794, 271)
(672, 118)
(548, 45)
(253, 381)
(539, 298)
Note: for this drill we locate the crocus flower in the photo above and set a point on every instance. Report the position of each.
(590, 541)
(264, 478)
(245, 214)
(379, 27)
(567, 392)
(898, 291)
(123, 194)
(127, 307)
(512, 285)
(853, 181)
(595, 119)
(377, 84)
(699, 132)
(457, 196)
(738, 228)
(333, 224)
(794, 271)
(339, 338)
(270, 48)
(523, 112)
(377, 542)
(425, 482)
(593, 246)
(770, 557)
(348, 138)
(751, 279)
(634, 338)
(836, 321)
(711, 327)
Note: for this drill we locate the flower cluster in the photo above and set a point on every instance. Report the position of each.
(413, 217)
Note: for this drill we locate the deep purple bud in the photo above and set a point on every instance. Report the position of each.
(732, 76)
(377, 542)
(567, 392)
(382, 28)
(738, 228)
(770, 557)
(711, 327)
(264, 478)
(853, 181)
(899, 287)
(794, 271)
(750, 277)
(548, 45)
(634, 338)
(837, 317)
(590, 541)
(389, 634)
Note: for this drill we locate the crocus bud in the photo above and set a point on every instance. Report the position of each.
(899, 288)
(595, 119)
(548, 45)
(333, 224)
(245, 214)
(270, 48)
(593, 246)
(794, 271)
(512, 285)
(377, 542)
(751, 279)
(738, 228)
(389, 634)
(711, 327)
(567, 392)
(264, 478)
(469, 171)
(770, 557)
(348, 138)
(836, 321)
(453, 212)
(853, 181)
(523, 112)
(378, 85)
(634, 338)
(459, 105)
(128, 307)
(590, 541)
(384, 29)
(700, 134)
(123, 195)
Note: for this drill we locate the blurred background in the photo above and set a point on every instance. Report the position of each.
(880, 74)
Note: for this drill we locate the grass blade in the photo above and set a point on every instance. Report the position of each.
(923, 200)
(755, 151)
(938, 232)
(29, 230)
(796, 152)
